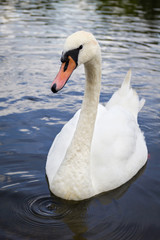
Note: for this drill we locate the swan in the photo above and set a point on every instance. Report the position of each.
(101, 147)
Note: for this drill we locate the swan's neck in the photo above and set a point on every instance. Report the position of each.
(76, 165)
(84, 132)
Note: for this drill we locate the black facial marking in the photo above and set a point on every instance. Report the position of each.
(73, 54)
(80, 47)
(64, 57)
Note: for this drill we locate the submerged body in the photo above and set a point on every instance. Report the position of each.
(101, 147)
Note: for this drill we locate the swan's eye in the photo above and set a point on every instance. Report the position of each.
(80, 47)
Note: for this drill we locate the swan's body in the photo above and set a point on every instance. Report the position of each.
(100, 148)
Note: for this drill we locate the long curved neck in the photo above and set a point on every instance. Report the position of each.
(85, 127)
(78, 153)
(76, 165)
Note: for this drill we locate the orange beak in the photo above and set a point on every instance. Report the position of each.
(63, 75)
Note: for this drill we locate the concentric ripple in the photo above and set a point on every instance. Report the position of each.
(47, 208)
(36, 217)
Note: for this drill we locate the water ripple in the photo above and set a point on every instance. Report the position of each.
(45, 207)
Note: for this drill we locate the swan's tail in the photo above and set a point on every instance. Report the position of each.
(126, 83)
(127, 97)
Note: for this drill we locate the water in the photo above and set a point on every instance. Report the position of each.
(32, 34)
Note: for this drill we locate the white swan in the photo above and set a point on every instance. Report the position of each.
(100, 148)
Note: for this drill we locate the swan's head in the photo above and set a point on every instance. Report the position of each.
(80, 48)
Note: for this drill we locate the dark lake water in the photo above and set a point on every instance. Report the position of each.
(32, 34)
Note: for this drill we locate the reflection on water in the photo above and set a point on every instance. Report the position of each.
(144, 9)
(32, 34)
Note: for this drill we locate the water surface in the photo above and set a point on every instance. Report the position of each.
(32, 34)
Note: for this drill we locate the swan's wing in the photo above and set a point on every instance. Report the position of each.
(118, 148)
(59, 147)
(126, 97)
